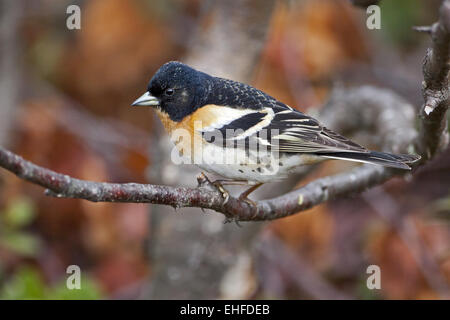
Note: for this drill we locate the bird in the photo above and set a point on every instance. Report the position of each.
(242, 134)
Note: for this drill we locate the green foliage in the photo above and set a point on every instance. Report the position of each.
(365, 293)
(89, 291)
(25, 284)
(397, 19)
(18, 214)
(20, 243)
(28, 284)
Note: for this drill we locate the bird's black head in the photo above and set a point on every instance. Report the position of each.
(177, 90)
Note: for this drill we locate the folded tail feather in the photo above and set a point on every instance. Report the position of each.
(399, 161)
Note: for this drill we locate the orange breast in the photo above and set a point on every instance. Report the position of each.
(187, 132)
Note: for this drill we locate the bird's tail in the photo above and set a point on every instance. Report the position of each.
(399, 161)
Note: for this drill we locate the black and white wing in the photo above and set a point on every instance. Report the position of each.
(283, 129)
(301, 133)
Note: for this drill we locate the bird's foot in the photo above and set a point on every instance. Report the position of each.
(202, 180)
(222, 190)
(243, 197)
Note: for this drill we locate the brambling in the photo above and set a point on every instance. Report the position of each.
(243, 134)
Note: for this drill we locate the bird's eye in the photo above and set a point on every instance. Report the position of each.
(169, 91)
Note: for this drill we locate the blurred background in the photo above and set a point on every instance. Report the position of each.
(65, 104)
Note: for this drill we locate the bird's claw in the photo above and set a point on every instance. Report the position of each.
(202, 180)
(250, 202)
(222, 190)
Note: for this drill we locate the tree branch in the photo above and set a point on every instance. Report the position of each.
(435, 87)
(64, 186)
(387, 112)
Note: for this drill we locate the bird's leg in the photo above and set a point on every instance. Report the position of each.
(244, 195)
(220, 183)
(227, 182)
(222, 190)
(203, 180)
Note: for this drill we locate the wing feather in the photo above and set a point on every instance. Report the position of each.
(286, 130)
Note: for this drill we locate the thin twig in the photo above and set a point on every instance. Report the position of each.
(424, 29)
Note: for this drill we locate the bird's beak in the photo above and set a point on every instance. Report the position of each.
(146, 100)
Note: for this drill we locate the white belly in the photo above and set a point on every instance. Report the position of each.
(263, 167)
